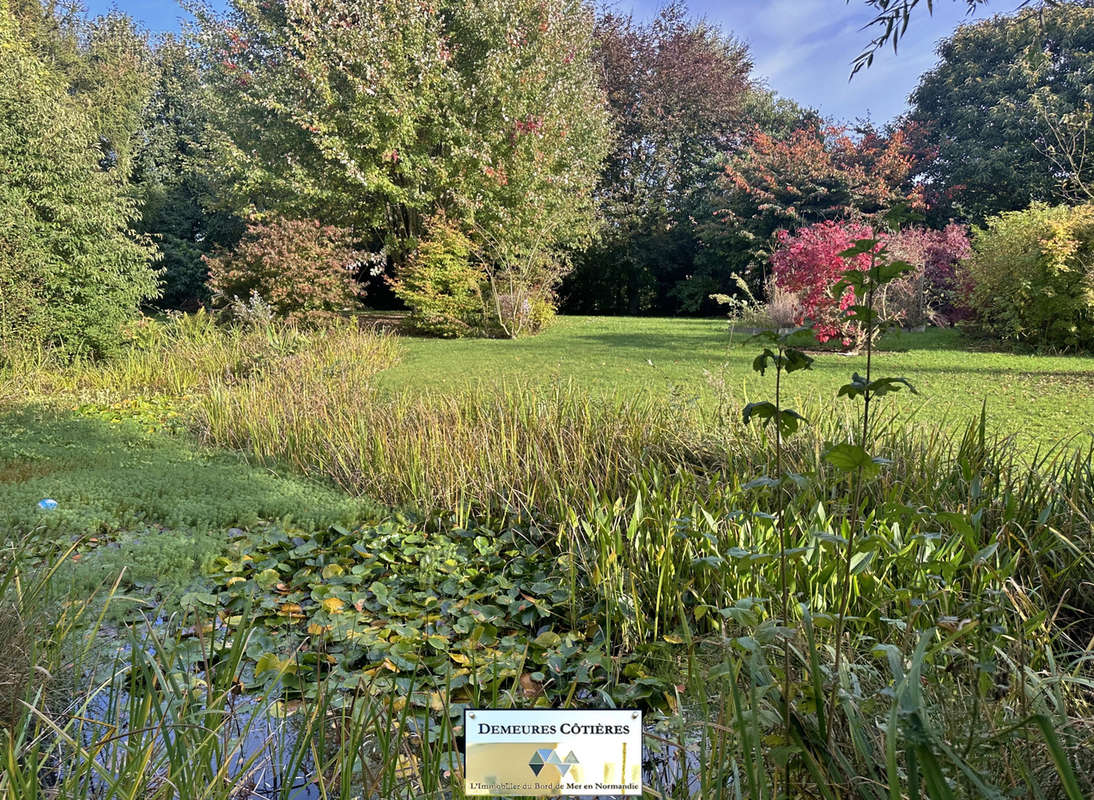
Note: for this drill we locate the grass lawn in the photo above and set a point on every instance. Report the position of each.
(1043, 399)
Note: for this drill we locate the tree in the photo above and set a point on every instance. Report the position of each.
(816, 174)
(378, 115)
(1030, 279)
(171, 177)
(676, 88)
(71, 271)
(809, 264)
(986, 103)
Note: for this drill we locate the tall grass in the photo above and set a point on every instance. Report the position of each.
(966, 653)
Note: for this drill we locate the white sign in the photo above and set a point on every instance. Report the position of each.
(552, 753)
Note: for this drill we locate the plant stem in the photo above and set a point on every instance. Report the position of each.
(780, 509)
(856, 502)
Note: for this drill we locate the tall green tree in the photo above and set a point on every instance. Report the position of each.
(171, 177)
(989, 105)
(676, 87)
(377, 115)
(71, 271)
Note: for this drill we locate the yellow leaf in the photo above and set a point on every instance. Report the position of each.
(291, 610)
(333, 605)
(235, 579)
(315, 629)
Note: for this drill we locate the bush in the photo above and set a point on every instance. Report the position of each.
(304, 270)
(442, 285)
(808, 264)
(1030, 278)
(929, 293)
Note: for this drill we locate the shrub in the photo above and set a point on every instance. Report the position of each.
(929, 293)
(1031, 276)
(303, 269)
(442, 284)
(808, 264)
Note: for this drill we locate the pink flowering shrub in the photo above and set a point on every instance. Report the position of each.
(930, 292)
(808, 263)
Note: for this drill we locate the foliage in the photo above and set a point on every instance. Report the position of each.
(112, 78)
(816, 174)
(929, 293)
(390, 112)
(1030, 278)
(71, 272)
(632, 554)
(303, 269)
(441, 283)
(986, 103)
(891, 23)
(676, 89)
(810, 263)
(171, 176)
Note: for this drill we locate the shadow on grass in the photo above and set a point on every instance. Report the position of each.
(108, 477)
(672, 342)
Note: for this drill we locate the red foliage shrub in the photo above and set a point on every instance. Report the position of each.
(934, 254)
(303, 269)
(808, 263)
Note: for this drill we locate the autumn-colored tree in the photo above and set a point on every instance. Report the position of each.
(676, 88)
(816, 174)
(929, 292)
(808, 263)
(302, 269)
(377, 115)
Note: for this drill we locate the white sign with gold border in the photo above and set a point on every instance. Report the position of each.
(552, 753)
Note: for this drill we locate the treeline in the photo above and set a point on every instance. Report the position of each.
(482, 161)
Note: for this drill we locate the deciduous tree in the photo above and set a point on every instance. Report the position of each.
(990, 103)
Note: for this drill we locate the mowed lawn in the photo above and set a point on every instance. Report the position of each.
(1042, 399)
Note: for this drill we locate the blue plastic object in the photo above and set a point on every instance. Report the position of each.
(48, 504)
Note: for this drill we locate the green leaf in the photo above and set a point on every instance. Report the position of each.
(884, 386)
(788, 419)
(795, 360)
(857, 386)
(760, 363)
(547, 639)
(859, 247)
(863, 315)
(888, 271)
(762, 410)
(267, 579)
(851, 458)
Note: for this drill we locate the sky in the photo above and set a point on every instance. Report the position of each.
(801, 48)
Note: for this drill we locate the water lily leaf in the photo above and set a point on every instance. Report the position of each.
(267, 579)
(333, 605)
(547, 639)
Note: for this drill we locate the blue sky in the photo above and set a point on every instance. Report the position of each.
(802, 48)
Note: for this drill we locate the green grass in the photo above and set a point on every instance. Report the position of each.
(153, 504)
(603, 549)
(1042, 398)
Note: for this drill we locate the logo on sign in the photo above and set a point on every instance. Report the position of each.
(545, 757)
